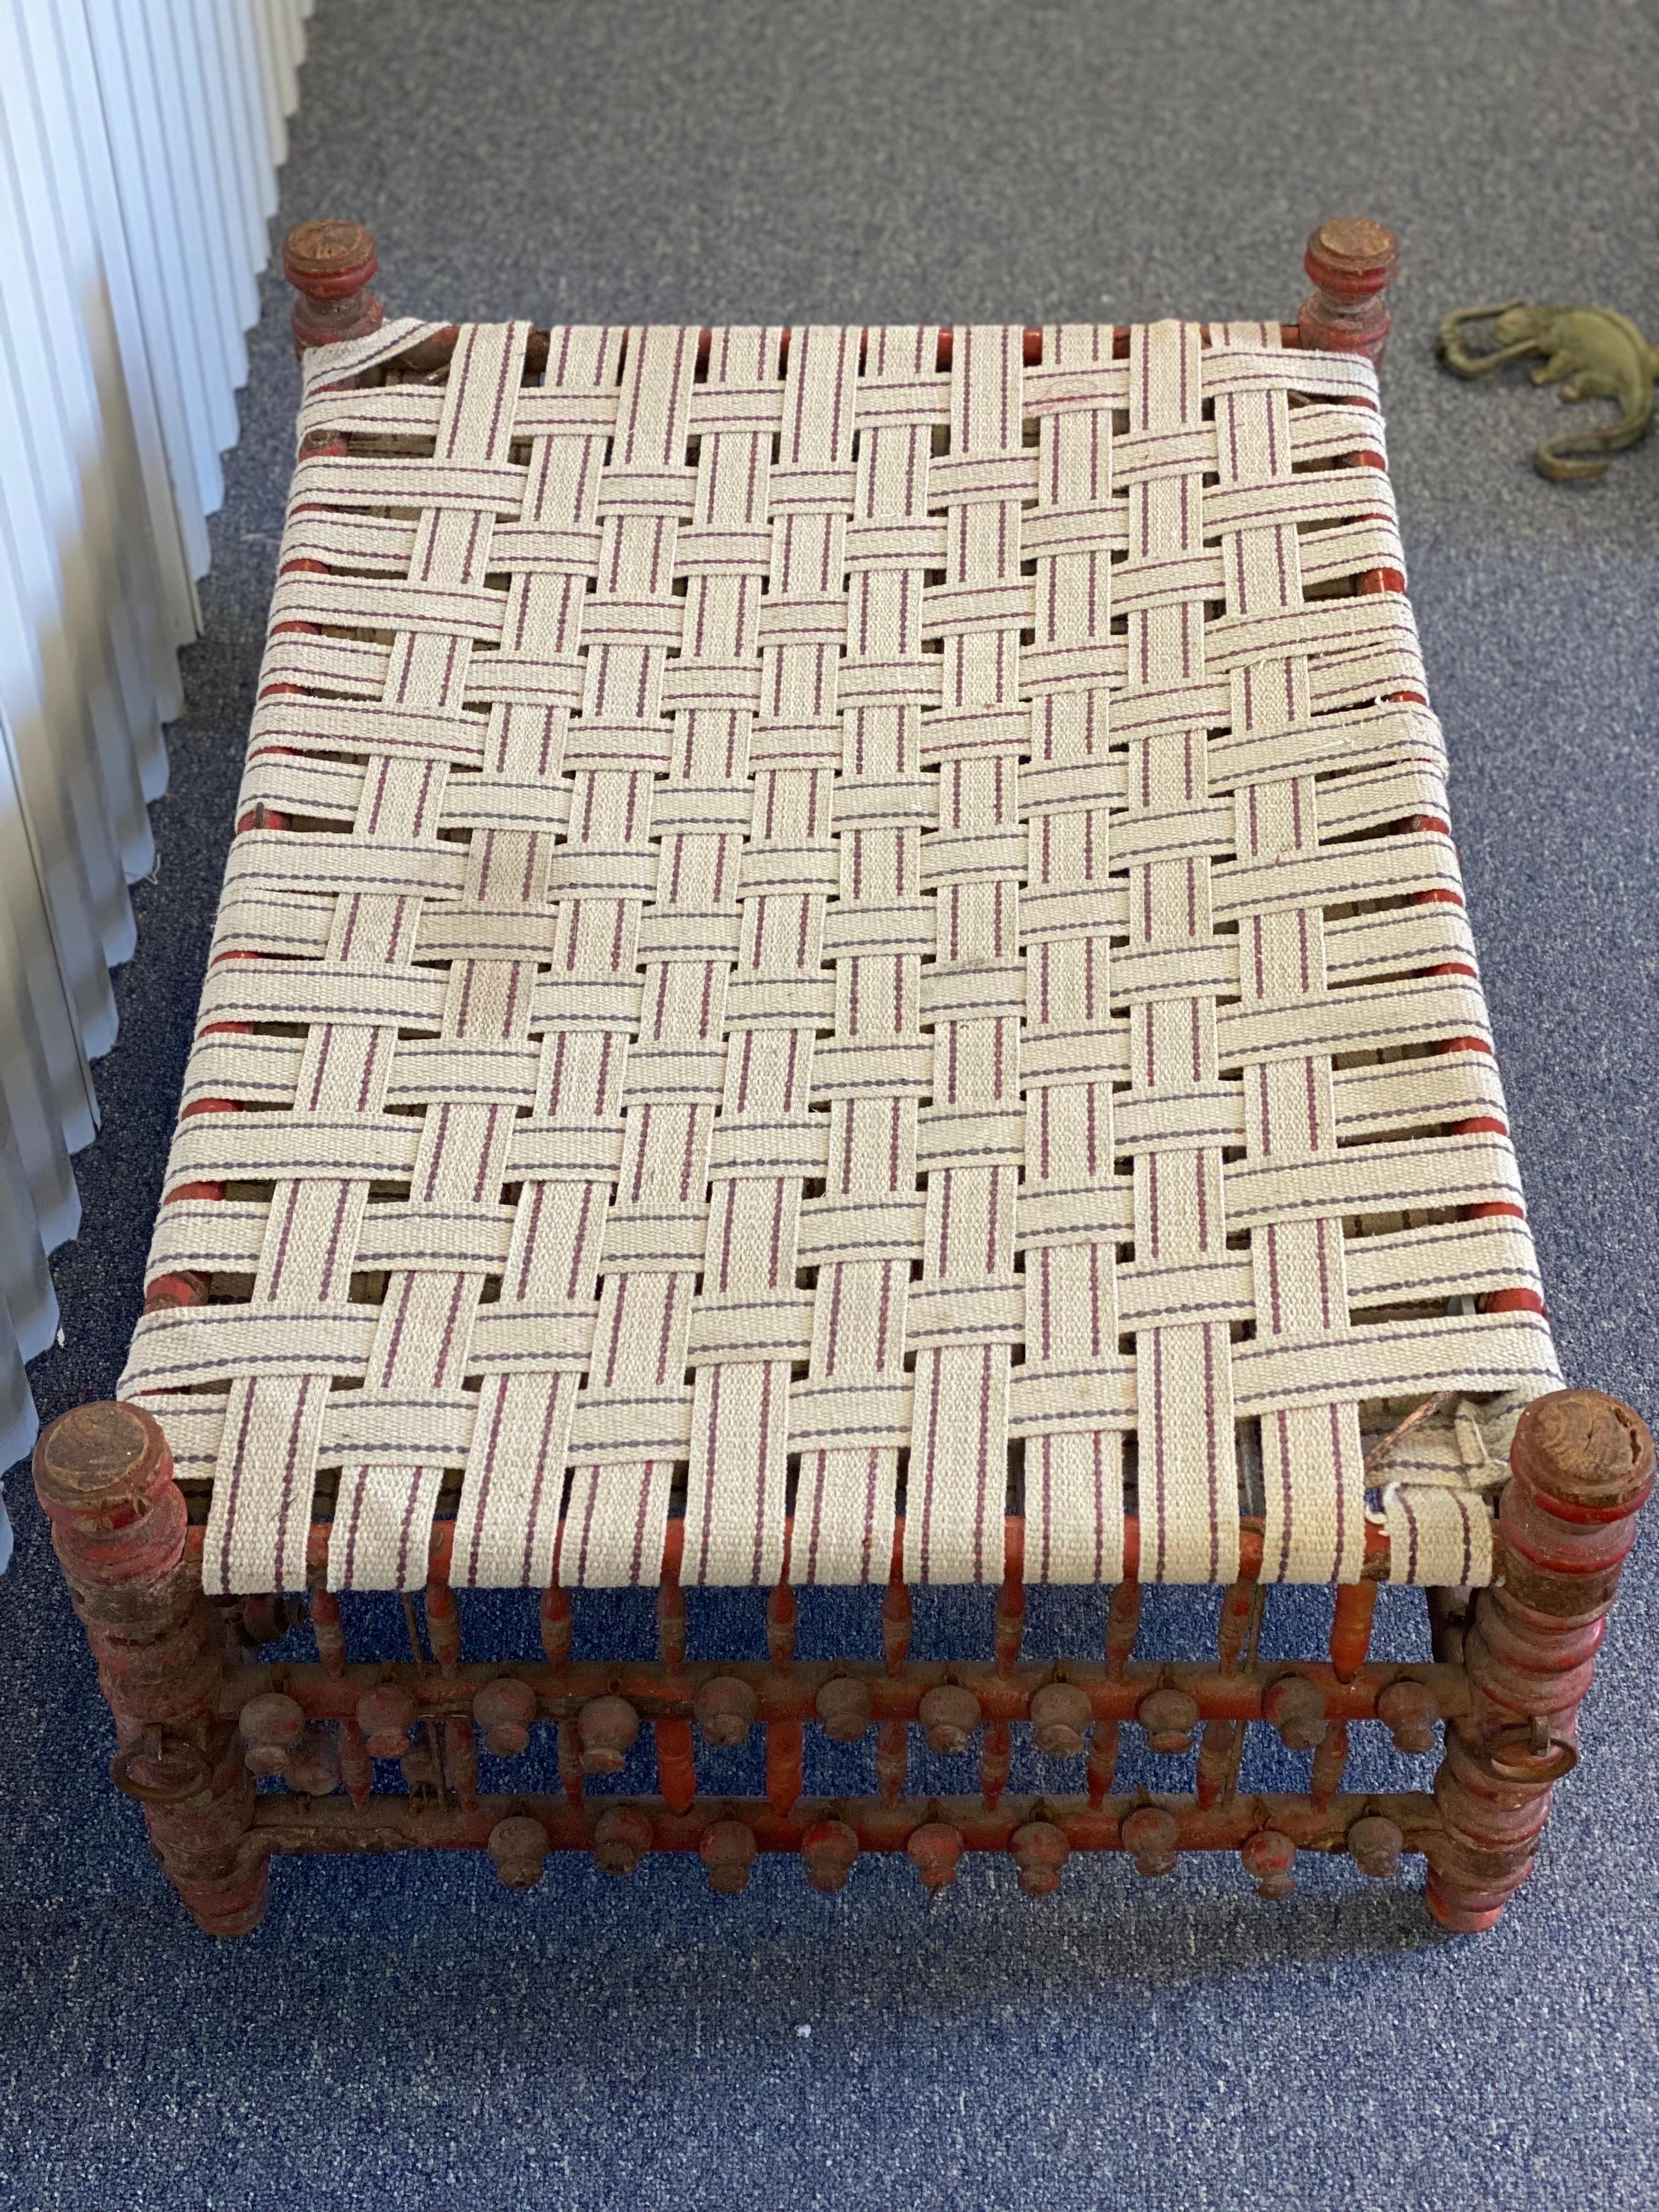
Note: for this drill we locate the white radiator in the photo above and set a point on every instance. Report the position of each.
(139, 146)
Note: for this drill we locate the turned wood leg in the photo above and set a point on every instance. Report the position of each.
(1580, 1469)
(104, 1475)
(1352, 261)
(330, 265)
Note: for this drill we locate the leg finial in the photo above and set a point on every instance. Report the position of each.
(1352, 261)
(330, 265)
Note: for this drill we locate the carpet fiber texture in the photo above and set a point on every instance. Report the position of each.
(410, 2034)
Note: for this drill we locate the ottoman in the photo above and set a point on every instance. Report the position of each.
(842, 966)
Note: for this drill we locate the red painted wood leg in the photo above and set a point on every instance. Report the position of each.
(1352, 261)
(330, 265)
(104, 1475)
(1580, 1467)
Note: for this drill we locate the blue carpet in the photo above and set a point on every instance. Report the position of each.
(408, 2034)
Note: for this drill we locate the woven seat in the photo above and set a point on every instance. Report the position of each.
(838, 924)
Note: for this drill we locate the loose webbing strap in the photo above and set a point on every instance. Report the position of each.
(842, 924)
